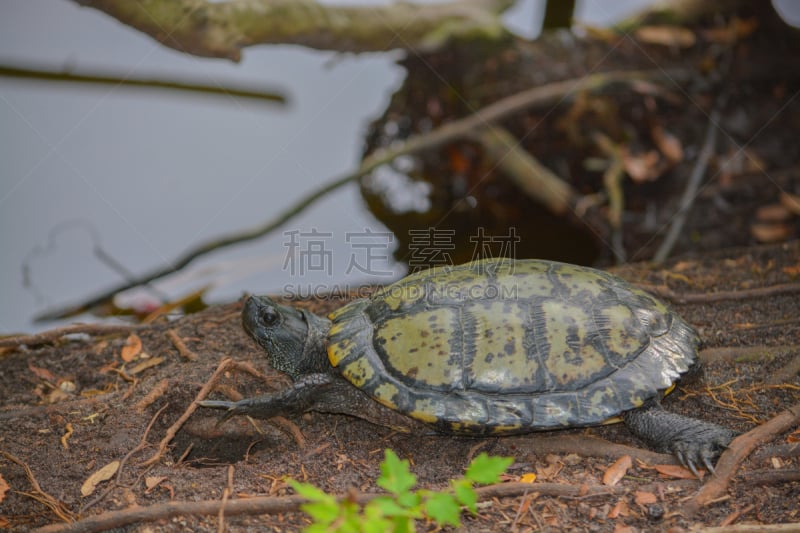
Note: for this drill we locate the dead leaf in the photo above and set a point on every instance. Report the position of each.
(622, 528)
(677, 471)
(42, 373)
(549, 471)
(791, 202)
(144, 365)
(642, 497)
(530, 477)
(666, 36)
(3, 488)
(771, 232)
(773, 213)
(620, 509)
(133, 345)
(793, 270)
(668, 144)
(104, 474)
(152, 482)
(641, 167)
(99, 347)
(617, 471)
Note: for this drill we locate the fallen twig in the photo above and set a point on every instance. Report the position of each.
(180, 345)
(692, 186)
(124, 79)
(738, 450)
(155, 393)
(58, 508)
(53, 335)
(612, 180)
(282, 504)
(174, 428)
(773, 476)
(537, 181)
(786, 450)
(719, 296)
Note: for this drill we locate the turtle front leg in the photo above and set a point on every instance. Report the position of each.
(694, 442)
(295, 400)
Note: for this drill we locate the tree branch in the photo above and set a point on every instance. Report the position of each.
(123, 80)
(222, 29)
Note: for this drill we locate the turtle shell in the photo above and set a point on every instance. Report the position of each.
(503, 346)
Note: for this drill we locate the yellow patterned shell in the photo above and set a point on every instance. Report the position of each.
(502, 346)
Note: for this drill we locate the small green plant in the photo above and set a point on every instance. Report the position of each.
(398, 510)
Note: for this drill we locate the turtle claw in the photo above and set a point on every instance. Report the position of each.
(217, 404)
(702, 451)
(233, 408)
(693, 469)
(709, 464)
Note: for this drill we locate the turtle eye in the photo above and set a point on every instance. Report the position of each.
(268, 316)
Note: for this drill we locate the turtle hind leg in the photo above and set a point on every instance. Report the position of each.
(295, 400)
(694, 442)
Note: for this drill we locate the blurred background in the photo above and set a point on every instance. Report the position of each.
(144, 175)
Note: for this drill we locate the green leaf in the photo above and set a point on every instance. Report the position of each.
(403, 525)
(409, 500)
(485, 470)
(443, 508)
(321, 512)
(376, 525)
(395, 475)
(379, 515)
(465, 494)
(387, 507)
(309, 491)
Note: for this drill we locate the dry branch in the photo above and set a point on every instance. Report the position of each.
(123, 79)
(222, 29)
(282, 504)
(74, 329)
(692, 186)
(539, 182)
(173, 429)
(737, 452)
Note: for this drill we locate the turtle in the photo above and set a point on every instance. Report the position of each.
(491, 347)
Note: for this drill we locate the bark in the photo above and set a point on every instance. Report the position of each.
(222, 29)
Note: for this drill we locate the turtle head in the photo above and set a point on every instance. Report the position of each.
(294, 339)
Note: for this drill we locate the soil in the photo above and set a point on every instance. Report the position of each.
(69, 409)
(73, 405)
